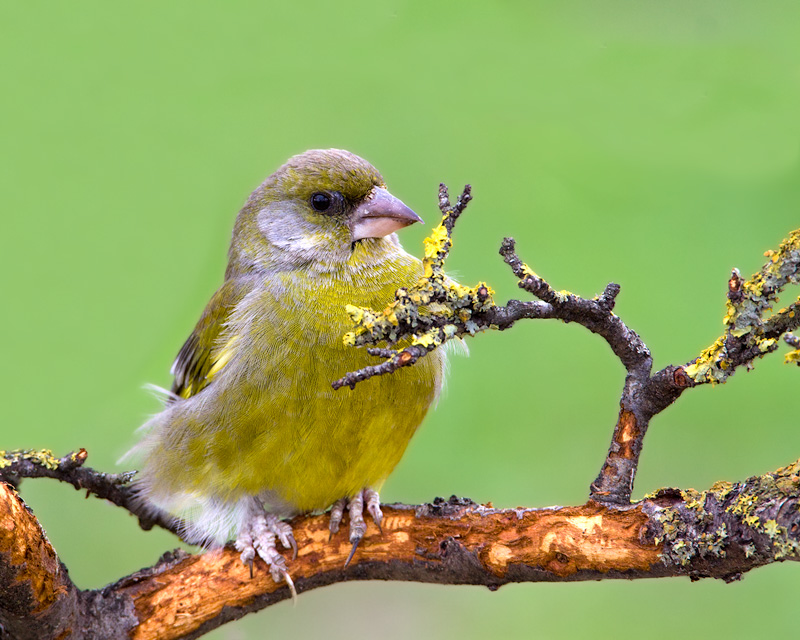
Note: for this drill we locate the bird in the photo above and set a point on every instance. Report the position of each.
(252, 432)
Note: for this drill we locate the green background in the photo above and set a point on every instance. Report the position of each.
(650, 143)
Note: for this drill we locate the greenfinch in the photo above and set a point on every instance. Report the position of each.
(252, 431)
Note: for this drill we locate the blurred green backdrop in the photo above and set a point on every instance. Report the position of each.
(650, 143)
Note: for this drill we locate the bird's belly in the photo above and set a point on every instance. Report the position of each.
(303, 445)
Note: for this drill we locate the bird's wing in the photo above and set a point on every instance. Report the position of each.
(202, 355)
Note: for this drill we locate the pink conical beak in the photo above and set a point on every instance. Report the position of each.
(379, 215)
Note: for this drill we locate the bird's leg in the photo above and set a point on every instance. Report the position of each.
(355, 510)
(258, 534)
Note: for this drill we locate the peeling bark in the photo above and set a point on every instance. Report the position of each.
(37, 598)
(722, 532)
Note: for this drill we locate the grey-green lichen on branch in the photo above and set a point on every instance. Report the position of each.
(756, 519)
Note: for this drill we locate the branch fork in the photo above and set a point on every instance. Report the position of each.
(437, 310)
(721, 532)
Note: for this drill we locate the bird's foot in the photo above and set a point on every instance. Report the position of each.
(368, 498)
(258, 535)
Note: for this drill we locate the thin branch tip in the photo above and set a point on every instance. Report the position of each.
(444, 198)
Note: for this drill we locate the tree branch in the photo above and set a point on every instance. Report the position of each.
(35, 589)
(722, 533)
(436, 310)
(114, 487)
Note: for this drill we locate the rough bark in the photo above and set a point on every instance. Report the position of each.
(722, 533)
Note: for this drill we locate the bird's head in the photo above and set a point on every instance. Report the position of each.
(318, 208)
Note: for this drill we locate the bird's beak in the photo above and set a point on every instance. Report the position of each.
(379, 215)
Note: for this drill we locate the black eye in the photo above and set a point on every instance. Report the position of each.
(321, 201)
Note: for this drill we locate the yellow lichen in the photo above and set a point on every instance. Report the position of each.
(743, 504)
(754, 497)
(41, 457)
(528, 272)
(771, 528)
(792, 356)
(752, 521)
(432, 311)
(745, 309)
(693, 499)
(766, 345)
(721, 489)
(707, 366)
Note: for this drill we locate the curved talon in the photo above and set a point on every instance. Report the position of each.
(258, 535)
(353, 550)
(290, 584)
(244, 543)
(368, 498)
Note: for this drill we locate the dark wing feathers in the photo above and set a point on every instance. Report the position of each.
(196, 357)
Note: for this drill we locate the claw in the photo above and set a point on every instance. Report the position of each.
(374, 507)
(244, 543)
(355, 510)
(290, 584)
(284, 533)
(337, 512)
(258, 535)
(355, 542)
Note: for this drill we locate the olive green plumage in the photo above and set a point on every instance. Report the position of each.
(254, 413)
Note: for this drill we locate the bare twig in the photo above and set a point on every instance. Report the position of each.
(114, 487)
(394, 360)
(596, 314)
